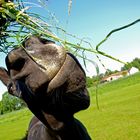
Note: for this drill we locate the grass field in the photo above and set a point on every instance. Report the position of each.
(117, 119)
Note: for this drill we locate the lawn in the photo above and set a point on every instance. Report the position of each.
(119, 114)
(13, 125)
(117, 119)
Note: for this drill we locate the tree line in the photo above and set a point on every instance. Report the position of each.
(92, 81)
(10, 103)
(135, 63)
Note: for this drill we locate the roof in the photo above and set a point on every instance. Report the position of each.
(120, 73)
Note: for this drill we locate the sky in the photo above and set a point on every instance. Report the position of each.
(93, 20)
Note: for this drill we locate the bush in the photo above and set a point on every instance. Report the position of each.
(10, 103)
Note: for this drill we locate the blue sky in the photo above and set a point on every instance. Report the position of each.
(94, 19)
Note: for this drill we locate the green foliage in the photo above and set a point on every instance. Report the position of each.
(22, 24)
(93, 81)
(109, 72)
(10, 103)
(135, 63)
(89, 82)
(127, 66)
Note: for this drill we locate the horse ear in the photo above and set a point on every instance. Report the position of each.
(4, 76)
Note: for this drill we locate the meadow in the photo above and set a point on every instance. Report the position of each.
(117, 119)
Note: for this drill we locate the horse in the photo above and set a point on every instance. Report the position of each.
(52, 83)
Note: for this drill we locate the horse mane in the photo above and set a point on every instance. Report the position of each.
(77, 62)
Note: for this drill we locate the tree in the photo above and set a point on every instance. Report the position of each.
(127, 66)
(135, 63)
(10, 103)
(108, 72)
(1, 108)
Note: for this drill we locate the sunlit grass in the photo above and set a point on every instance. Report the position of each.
(119, 114)
(13, 125)
(117, 119)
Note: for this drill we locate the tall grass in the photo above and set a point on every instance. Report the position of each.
(24, 24)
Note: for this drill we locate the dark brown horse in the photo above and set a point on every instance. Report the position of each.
(53, 84)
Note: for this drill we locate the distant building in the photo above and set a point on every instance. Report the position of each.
(115, 76)
(133, 70)
(118, 75)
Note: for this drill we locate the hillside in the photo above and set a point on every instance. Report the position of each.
(119, 114)
(117, 119)
(117, 84)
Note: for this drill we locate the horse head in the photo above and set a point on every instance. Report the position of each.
(50, 80)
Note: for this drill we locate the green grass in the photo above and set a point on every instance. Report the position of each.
(117, 119)
(13, 125)
(119, 114)
(118, 84)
